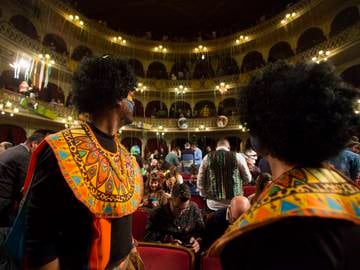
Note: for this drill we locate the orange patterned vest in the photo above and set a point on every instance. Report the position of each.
(109, 184)
(300, 192)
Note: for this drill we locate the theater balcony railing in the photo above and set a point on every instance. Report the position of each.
(13, 103)
(335, 44)
(139, 44)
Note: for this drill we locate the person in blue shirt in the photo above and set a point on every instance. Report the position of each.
(348, 163)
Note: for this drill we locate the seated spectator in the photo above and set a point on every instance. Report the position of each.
(187, 158)
(261, 182)
(153, 193)
(178, 222)
(217, 222)
(348, 163)
(172, 177)
(4, 146)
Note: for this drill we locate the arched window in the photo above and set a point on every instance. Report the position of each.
(12, 133)
(203, 70)
(56, 43)
(204, 108)
(310, 38)
(344, 19)
(180, 109)
(139, 109)
(180, 70)
(25, 26)
(157, 70)
(352, 75)
(156, 108)
(281, 50)
(137, 67)
(251, 61)
(228, 107)
(227, 66)
(52, 93)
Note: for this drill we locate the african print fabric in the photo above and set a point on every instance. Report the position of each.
(300, 192)
(108, 184)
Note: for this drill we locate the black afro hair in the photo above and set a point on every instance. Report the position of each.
(100, 82)
(302, 114)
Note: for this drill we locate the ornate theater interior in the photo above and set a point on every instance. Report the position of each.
(191, 59)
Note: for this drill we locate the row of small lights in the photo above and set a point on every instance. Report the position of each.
(8, 106)
(46, 58)
(160, 48)
(76, 19)
(119, 40)
(288, 18)
(200, 49)
(201, 128)
(69, 122)
(222, 88)
(180, 90)
(322, 56)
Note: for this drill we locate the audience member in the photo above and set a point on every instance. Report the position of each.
(172, 158)
(348, 163)
(4, 146)
(177, 222)
(154, 195)
(305, 116)
(221, 176)
(197, 155)
(187, 158)
(14, 164)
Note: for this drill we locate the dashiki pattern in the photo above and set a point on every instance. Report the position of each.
(300, 192)
(108, 184)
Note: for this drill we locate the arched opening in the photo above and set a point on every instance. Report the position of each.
(180, 70)
(227, 66)
(281, 50)
(157, 70)
(352, 75)
(137, 67)
(204, 108)
(80, 52)
(139, 109)
(180, 109)
(310, 38)
(8, 81)
(12, 133)
(203, 70)
(344, 19)
(251, 61)
(52, 93)
(234, 143)
(55, 43)
(25, 26)
(128, 142)
(155, 143)
(229, 107)
(156, 108)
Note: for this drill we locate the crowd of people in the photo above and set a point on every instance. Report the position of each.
(71, 206)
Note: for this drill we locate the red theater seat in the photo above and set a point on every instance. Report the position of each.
(248, 190)
(139, 221)
(158, 256)
(210, 263)
(198, 200)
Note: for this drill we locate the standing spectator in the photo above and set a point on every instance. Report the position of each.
(221, 176)
(13, 169)
(197, 155)
(187, 158)
(85, 185)
(178, 222)
(171, 158)
(304, 117)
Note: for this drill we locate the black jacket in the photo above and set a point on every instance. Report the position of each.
(14, 163)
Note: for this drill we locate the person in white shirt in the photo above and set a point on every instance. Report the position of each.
(221, 176)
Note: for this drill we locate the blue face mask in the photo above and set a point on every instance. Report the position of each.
(131, 105)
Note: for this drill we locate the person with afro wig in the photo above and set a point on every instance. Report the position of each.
(298, 116)
(84, 184)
